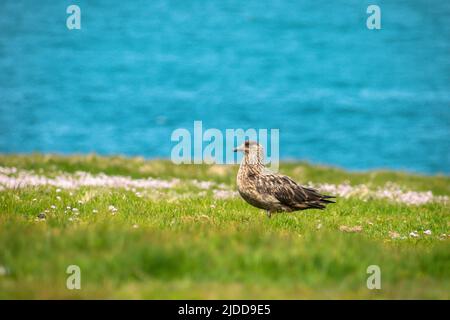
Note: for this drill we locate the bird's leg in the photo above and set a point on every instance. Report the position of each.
(269, 214)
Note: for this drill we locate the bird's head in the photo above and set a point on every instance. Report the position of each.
(252, 151)
(248, 147)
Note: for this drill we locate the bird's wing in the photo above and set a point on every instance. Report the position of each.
(283, 188)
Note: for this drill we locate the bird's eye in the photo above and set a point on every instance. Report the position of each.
(247, 143)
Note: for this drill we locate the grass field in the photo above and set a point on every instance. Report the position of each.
(151, 229)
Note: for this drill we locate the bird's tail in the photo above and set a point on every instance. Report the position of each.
(318, 200)
(326, 197)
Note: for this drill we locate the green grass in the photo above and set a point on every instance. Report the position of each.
(188, 244)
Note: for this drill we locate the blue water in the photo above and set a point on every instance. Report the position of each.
(339, 93)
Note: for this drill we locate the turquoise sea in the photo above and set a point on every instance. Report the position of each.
(340, 94)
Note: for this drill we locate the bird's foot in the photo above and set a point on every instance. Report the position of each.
(269, 214)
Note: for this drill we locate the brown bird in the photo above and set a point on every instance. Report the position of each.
(271, 191)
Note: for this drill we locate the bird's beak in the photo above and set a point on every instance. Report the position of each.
(240, 148)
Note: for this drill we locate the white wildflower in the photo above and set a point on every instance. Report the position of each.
(3, 271)
(414, 234)
(112, 209)
(224, 194)
(203, 184)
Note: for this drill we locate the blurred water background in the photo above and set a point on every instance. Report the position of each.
(137, 70)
